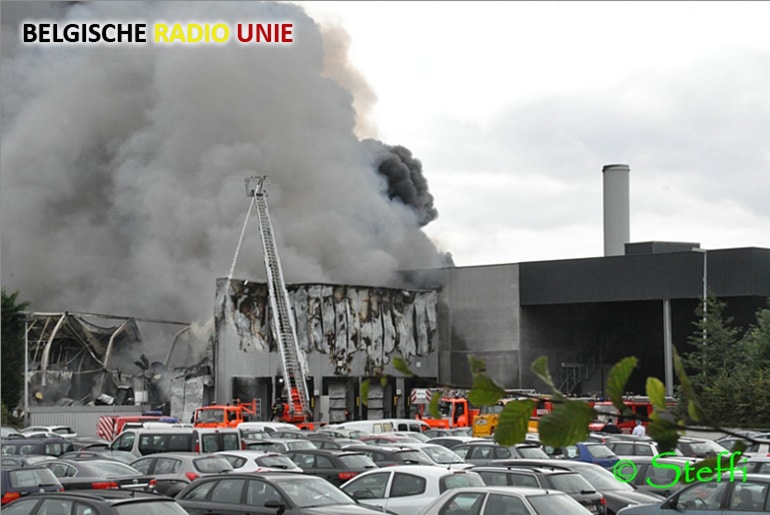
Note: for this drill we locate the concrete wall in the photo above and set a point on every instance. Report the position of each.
(479, 316)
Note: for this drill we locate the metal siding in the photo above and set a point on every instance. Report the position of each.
(82, 419)
(731, 273)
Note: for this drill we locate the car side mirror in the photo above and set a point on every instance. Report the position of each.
(276, 503)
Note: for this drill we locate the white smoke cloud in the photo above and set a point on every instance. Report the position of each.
(123, 166)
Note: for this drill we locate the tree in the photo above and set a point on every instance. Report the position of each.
(12, 352)
(714, 342)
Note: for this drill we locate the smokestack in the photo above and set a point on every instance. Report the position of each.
(616, 209)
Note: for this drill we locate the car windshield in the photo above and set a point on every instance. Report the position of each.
(441, 454)
(211, 415)
(24, 478)
(552, 504)
(212, 464)
(357, 461)
(600, 451)
(572, 483)
(533, 452)
(414, 457)
(312, 491)
(276, 462)
(460, 480)
(112, 468)
(154, 507)
(601, 479)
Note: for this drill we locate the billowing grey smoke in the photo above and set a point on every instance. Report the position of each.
(123, 166)
(406, 181)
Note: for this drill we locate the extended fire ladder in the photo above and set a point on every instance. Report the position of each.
(284, 330)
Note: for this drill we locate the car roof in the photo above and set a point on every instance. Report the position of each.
(109, 495)
(514, 468)
(420, 470)
(518, 490)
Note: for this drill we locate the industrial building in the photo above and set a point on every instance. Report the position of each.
(583, 314)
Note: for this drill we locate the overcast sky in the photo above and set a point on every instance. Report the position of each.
(514, 107)
(123, 166)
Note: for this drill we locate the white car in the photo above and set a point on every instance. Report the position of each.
(60, 431)
(504, 500)
(406, 489)
(258, 461)
(438, 454)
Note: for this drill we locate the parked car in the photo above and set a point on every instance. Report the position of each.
(10, 432)
(616, 494)
(758, 464)
(504, 500)
(258, 461)
(336, 466)
(336, 443)
(452, 441)
(625, 447)
(106, 454)
(63, 431)
(387, 439)
(438, 454)
(571, 483)
(483, 453)
(93, 474)
(281, 446)
(141, 442)
(16, 483)
(662, 477)
(24, 446)
(406, 489)
(268, 493)
(589, 452)
(757, 447)
(24, 460)
(723, 496)
(384, 456)
(173, 471)
(699, 447)
(95, 502)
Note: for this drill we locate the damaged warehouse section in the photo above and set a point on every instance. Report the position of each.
(346, 334)
(77, 359)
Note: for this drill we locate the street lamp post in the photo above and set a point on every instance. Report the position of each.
(705, 299)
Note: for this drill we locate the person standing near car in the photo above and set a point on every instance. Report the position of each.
(639, 430)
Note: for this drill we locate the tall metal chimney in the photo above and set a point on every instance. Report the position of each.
(616, 209)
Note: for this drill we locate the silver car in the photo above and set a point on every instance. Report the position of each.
(173, 471)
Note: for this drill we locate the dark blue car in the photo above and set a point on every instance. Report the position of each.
(589, 452)
(19, 482)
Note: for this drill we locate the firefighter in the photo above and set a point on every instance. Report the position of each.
(278, 409)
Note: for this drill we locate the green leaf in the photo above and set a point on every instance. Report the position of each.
(477, 365)
(617, 379)
(656, 391)
(400, 365)
(365, 392)
(513, 422)
(663, 429)
(383, 381)
(567, 424)
(433, 406)
(485, 392)
(540, 368)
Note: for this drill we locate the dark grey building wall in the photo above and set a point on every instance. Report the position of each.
(479, 316)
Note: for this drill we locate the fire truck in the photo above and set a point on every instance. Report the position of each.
(228, 415)
(488, 418)
(455, 411)
(639, 405)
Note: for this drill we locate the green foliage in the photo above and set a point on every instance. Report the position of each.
(365, 392)
(12, 352)
(513, 423)
(617, 379)
(400, 365)
(566, 424)
(435, 397)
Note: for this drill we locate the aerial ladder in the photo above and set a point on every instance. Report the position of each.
(293, 361)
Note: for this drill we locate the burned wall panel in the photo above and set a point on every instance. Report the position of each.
(354, 330)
